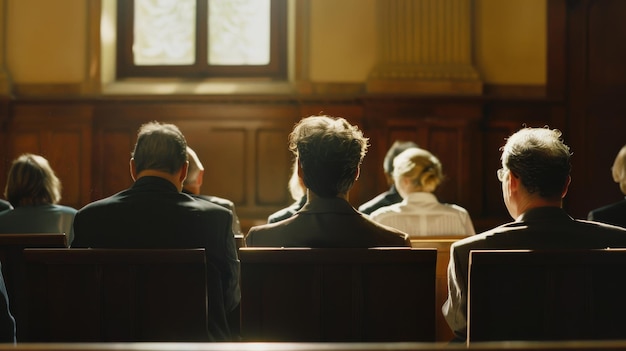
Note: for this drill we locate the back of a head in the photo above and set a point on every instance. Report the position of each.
(619, 169)
(396, 148)
(330, 151)
(540, 159)
(31, 181)
(195, 167)
(161, 147)
(421, 167)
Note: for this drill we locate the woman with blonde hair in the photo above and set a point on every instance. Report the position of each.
(34, 192)
(614, 213)
(417, 174)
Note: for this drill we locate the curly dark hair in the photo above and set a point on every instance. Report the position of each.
(330, 151)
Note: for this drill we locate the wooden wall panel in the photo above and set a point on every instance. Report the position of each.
(243, 144)
(222, 153)
(273, 166)
(62, 134)
(113, 157)
(596, 100)
(606, 58)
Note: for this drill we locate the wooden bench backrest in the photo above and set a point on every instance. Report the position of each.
(11, 247)
(546, 295)
(384, 294)
(97, 295)
(442, 244)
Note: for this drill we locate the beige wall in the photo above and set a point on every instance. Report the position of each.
(47, 41)
(510, 41)
(343, 40)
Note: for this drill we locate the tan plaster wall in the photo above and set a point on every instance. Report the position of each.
(46, 40)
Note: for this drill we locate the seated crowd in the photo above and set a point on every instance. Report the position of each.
(164, 208)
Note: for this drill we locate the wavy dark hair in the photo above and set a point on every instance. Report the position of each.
(330, 151)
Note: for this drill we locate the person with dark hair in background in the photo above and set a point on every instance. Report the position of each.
(154, 214)
(329, 153)
(535, 177)
(193, 183)
(297, 190)
(614, 213)
(34, 192)
(390, 196)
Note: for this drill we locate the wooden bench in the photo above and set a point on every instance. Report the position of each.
(546, 295)
(11, 247)
(299, 294)
(96, 295)
(442, 244)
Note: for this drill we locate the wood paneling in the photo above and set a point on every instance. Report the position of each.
(62, 134)
(244, 148)
(596, 99)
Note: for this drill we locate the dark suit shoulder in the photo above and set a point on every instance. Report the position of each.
(614, 213)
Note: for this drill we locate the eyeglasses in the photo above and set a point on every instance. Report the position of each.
(501, 173)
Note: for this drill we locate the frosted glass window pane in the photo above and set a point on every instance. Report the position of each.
(239, 32)
(165, 32)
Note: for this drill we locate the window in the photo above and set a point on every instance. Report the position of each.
(202, 38)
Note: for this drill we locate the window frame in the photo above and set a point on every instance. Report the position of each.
(276, 69)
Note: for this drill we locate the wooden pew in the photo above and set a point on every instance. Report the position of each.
(96, 295)
(339, 346)
(299, 294)
(11, 247)
(442, 244)
(618, 345)
(546, 295)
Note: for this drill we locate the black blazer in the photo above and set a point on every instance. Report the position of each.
(5, 205)
(612, 214)
(154, 214)
(538, 228)
(387, 198)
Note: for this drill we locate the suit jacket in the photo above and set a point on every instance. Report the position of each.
(612, 214)
(287, 211)
(7, 322)
(227, 204)
(153, 214)
(326, 223)
(539, 228)
(5, 205)
(387, 198)
(39, 219)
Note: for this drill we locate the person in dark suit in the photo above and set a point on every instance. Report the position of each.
(193, 183)
(329, 153)
(155, 214)
(5, 205)
(390, 196)
(614, 213)
(7, 322)
(298, 194)
(535, 176)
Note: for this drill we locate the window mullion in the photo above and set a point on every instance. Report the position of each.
(202, 33)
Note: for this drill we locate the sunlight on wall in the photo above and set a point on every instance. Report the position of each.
(46, 40)
(343, 40)
(510, 41)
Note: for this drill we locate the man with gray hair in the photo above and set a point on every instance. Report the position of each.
(535, 177)
(329, 153)
(193, 184)
(155, 214)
